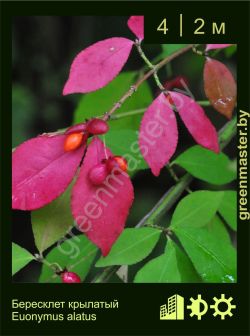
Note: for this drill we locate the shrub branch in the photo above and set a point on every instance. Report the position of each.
(226, 134)
(151, 72)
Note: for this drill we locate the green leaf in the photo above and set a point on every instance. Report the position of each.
(97, 103)
(207, 165)
(76, 254)
(171, 267)
(228, 208)
(196, 209)
(210, 251)
(216, 226)
(52, 222)
(132, 246)
(230, 50)
(125, 143)
(169, 49)
(20, 258)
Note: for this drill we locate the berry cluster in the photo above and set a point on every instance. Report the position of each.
(114, 164)
(78, 135)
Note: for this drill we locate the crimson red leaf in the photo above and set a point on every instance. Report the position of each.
(97, 65)
(136, 25)
(220, 87)
(158, 134)
(216, 46)
(101, 211)
(41, 171)
(196, 121)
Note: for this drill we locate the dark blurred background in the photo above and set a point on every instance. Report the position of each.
(43, 49)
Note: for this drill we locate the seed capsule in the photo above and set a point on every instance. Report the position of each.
(98, 174)
(116, 163)
(97, 126)
(70, 277)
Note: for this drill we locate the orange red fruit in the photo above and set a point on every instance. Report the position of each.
(73, 141)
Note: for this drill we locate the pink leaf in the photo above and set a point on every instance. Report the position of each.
(158, 134)
(196, 121)
(136, 25)
(101, 211)
(41, 171)
(97, 65)
(217, 46)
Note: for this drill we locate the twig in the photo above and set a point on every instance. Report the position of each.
(175, 177)
(145, 77)
(142, 110)
(166, 202)
(54, 266)
(150, 65)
